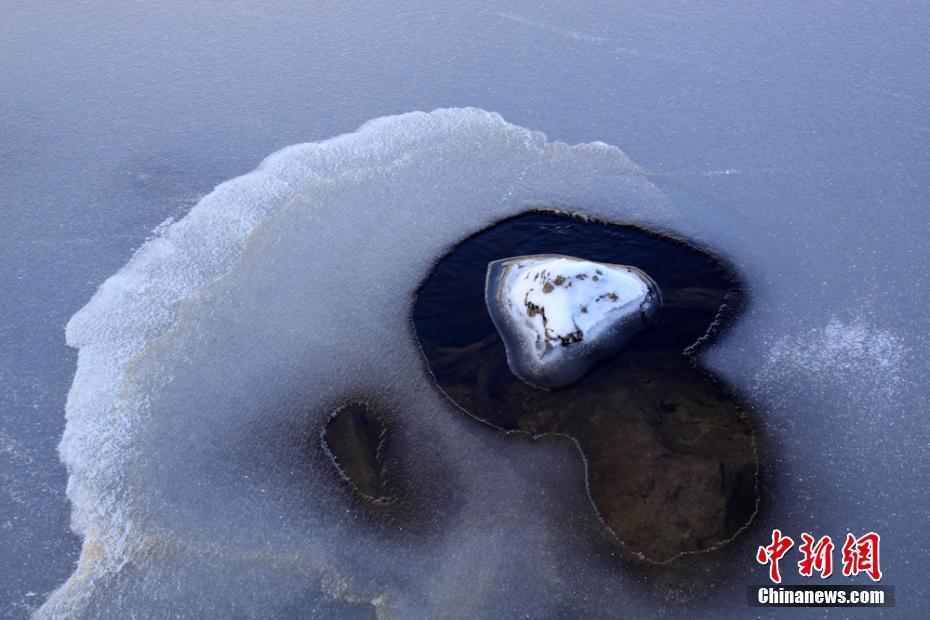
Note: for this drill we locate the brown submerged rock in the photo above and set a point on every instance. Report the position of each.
(671, 457)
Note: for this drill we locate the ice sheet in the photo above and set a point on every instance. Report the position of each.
(209, 364)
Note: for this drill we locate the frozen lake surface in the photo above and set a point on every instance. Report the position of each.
(792, 140)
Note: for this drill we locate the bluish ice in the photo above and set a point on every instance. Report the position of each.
(793, 139)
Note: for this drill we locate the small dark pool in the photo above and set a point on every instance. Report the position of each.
(353, 438)
(671, 458)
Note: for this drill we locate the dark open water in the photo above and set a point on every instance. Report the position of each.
(670, 452)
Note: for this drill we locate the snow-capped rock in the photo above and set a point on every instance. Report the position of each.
(559, 315)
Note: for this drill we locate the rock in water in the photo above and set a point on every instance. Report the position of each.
(559, 315)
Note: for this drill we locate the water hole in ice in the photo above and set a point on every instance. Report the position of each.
(354, 439)
(670, 454)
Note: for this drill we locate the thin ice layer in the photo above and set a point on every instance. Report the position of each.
(209, 359)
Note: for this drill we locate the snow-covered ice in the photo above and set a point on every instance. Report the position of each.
(558, 315)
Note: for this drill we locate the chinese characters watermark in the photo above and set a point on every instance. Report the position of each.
(859, 555)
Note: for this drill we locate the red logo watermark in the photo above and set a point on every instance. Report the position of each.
(859, 555)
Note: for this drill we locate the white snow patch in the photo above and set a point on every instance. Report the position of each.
(575, 298)
(558, 315)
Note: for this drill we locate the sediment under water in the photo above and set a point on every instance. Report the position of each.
(671, 458)
(353, 439)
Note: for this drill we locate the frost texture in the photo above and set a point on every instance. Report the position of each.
(226, 341)
(840, 353)
(835, 395)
